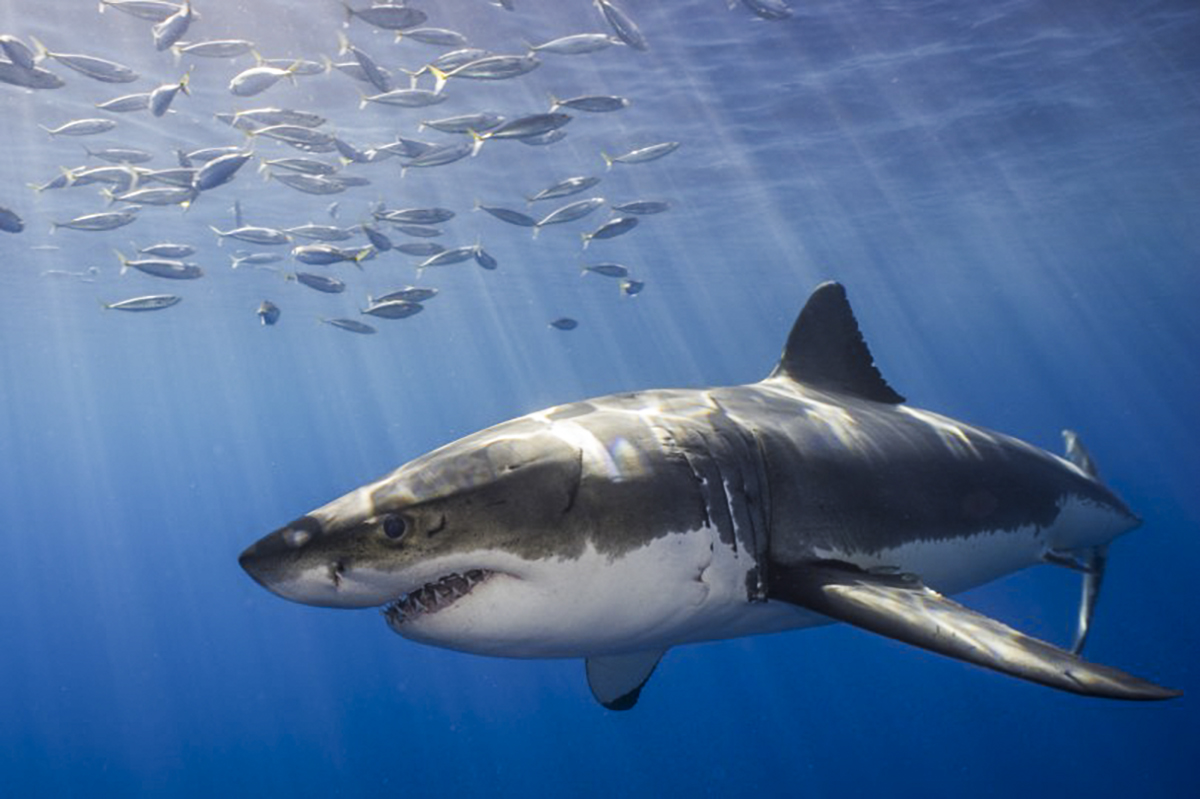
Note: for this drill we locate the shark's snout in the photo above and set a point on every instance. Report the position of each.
(264, 559)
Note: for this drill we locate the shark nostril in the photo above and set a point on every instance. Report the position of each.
(296, 538)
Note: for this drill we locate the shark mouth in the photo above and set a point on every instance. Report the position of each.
(435, 596)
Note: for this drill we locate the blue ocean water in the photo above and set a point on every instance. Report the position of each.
(1008, 191)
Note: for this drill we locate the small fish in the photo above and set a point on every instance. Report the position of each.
(255, 259)
(122, 177)
(438, 37)
(564, 323)
(96, 68)
(161, 267)
(420, 249)
(268, 117)
(406, 294)
(641, 155)
(268, 313)
(321, 232)
(521, 128)
(151, 302)
(465, 123)
(216, 48)
(375, 75)
(622, 25)
(439, 156)
(328, 285)
(456, 58)
(485, 259)
(630, 288)
(120, 155)
(773, 10)
(297, 66)
(404, 98)
(542, 139)
(109, 220)
(325, 254)
(507, 215)
(173, 28)
(565, 188)
(311, 184)
(9, 221)
(415, 216)
(206, 154)
(377, 237)
(492, 67)
(455, 255)
(36, 78)
(295, 134)
(254, 235)
(393, 309)
(332, 210)
(260, 78)
(162, 97)
(308, 166)
(576, 44)
(126, 103)
(168, 250)
(352, 325)
(571, 212)
(393, 17)
(81, 127)
(607, 270)
(62, 180)
(419, 231)
(220, 170)
(407, 148)
(642, 207)
(594, 103)
(177, 176)
(155, 195)
(611, 229)
(150, 10)
(18, 52)
(354, 69)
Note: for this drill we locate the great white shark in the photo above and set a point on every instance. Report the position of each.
(615, 528)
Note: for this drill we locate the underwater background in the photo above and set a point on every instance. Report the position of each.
(1009, 191)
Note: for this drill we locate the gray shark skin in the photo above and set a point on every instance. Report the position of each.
(615, 528)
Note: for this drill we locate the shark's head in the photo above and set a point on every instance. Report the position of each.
(430, 533)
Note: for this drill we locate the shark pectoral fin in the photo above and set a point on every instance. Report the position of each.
(901, 607)
(617, 680)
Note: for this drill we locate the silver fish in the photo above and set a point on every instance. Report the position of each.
(492, 67)
(161, 267)
(622, 25)
(99, 69)
(377, 237)
(420, 249)
(151, 10)
(10, 222)
(630, 288)
(216, 48)
(219, 170)
(406, 294)
(311, 184)
(607, 270)
(81, 127)
(419, 231)
(325, 254)
(465, 123)
(268, 313)
(168, 249)
(508, 215)
(18, 52)
(452, 256)
(576, 44)
(641, 155)
(151, 302)
(109, 220)
(611, 229)
(36, 78)
(295, 133)
(155, 195)
(593, 103)
(415, 216)
(258, 79)
(773, 10)
(564, 323)
(565, 188)
(120, 155)
(267, 117)
(173, 28)
(254, 235)
(393, 309)
(439, 156)
(162, 97)
(307, 166)
(542, 139)
(175, 176)
(374, 73)
(642, 207)
(352, 325)
(354, 69)
(388, 16)
(328, 285)
(255, 259)
(321, 232)
(571, 211)
(456, 58)
(438, 37)
(485, 259)
(405, 98)
(297, 66)
(126, 103)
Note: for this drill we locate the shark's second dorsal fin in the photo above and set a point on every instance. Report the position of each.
(826, 350)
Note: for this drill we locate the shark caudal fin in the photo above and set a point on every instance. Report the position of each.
(617, 680)
(901, 607)
(826, 350)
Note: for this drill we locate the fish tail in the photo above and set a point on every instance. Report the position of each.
(587, 237)
(343, 43)
(476, 142)
(554, 101)
(183, 82)
(39, 50)
(608, 162)
(124, 261)
(438, 75)
(48, 130)
(328, 63)
(220, 235)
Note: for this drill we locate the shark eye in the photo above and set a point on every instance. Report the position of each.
(394, 527)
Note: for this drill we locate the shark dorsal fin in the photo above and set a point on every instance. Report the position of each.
(826, 350)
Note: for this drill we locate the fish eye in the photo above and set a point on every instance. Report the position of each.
(394, 527)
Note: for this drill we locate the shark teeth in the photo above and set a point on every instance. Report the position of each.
(434, 596)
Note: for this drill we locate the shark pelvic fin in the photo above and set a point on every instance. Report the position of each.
(901, 607)
(617, 680)
(826, 350)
